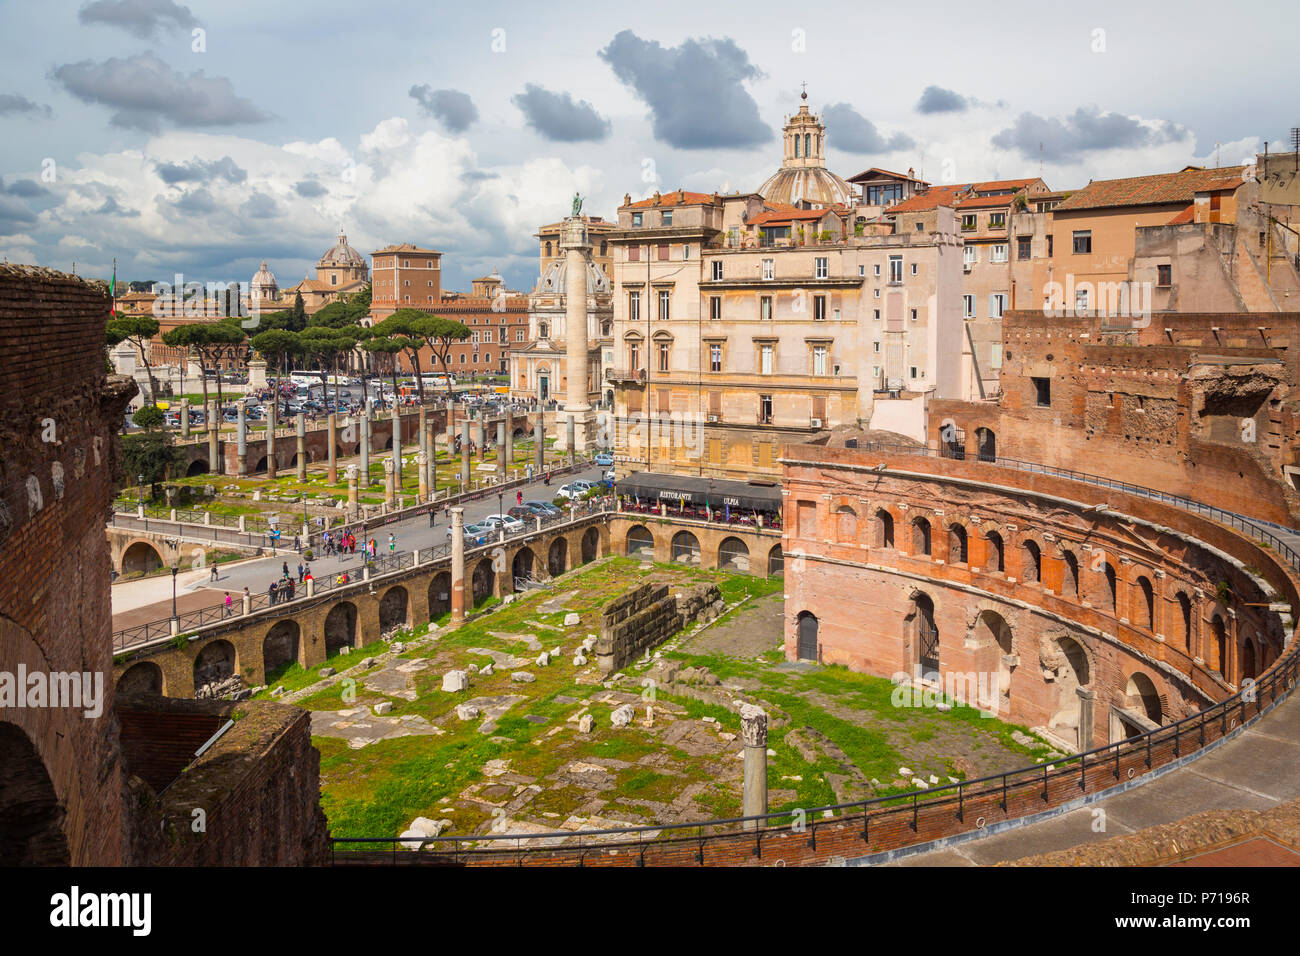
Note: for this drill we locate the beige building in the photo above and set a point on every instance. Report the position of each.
(340, 272)
(745, 321)
(538, 369)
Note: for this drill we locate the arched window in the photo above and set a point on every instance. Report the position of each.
(1218, 656)
(884, 529)
(1070, 577)
(548, 248)
(987, 443)
(920, 536)
(1111, 594)
(956, 544)
(1031, 562)
(1185, 610)
(996, 555)
(1148, 605)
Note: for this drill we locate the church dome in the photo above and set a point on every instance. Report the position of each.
(553, 279)
(341, 254)
(803, 176)
(263, 277)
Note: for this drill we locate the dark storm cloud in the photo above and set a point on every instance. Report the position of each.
(111, 207)
(200, 171)
(196, 201)
(1084, 130)
(142, 18)
(309, 189)
(852, 132)
(143, 91)
(558, 117)
(695, 91)
(26, 188)
(12, 103)
(14, 216)
(259, 206)
(452, 108)
(936, 99)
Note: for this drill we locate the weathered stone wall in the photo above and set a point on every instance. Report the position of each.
(252, 799)
(59, 415)
(646, 617)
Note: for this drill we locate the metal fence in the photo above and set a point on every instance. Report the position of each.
(940, 811)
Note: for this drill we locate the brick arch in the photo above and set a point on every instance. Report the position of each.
(639, 535)
(142, 677)
(884, 527)
(589, 545)
(558, 556)
(281, 647)
(1030, 552)
(217, 660)
(31, 817)
(846, 512)
(733, 554)
(920, 534)
(439, 585)
(993, 541)
(479, 582)
(1142, 694)
(1143, 610)
(1071, 571)
(394, 609)
(143, 560)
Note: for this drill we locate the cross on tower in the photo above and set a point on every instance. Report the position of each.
(804, 94)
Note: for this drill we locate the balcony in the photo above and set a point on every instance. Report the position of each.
(625, 376)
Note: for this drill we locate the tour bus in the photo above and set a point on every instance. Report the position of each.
(312, 379)
(438, 381)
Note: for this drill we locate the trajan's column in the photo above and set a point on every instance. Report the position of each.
(577, 257)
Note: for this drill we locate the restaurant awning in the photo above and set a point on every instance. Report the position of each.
(689, 490)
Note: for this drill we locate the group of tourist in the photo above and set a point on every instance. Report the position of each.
(285, 589)
(344, 542)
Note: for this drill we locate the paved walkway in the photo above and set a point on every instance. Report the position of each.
(1252, 771)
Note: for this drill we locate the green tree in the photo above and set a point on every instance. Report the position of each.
(417, 330)
(150, 453)
(149, 417)
(388, 348)
(208, 342)
(298, 315)
(277, 346)
(139, 330)
(447, 332)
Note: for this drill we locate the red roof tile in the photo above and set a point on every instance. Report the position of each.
(678, 197)
(1164, 189)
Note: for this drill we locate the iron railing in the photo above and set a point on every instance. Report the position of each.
(1027, 787)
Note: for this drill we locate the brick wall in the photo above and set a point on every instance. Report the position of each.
(58, 418)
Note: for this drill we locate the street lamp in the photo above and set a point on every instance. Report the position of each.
(140, 488)
(176, 566)
(501, 508)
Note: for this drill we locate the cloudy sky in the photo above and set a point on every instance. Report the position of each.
(201, 137)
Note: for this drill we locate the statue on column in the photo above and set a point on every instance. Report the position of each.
(577, 204)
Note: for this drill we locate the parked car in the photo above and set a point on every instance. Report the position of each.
(575, 489)
(609, 476)
(604, 458)
(543, 508)
(523, 513)
(510, 524)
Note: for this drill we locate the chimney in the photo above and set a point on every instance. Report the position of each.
(627, 199)
(911, 173)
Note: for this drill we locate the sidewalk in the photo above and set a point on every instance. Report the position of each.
(1252, 771)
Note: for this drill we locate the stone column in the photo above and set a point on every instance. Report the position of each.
(753, 731)
(431, 442)
(214, 440)
(451, 430)
(569, 430)
(354, 505)
(457, 565)
(185, 418)
(422, 434)
(464, 455)
(481, 430)
(423, 458)
(397, 446)
(272, 418)
(302, 447)
(365, 445)
(539, 442)
(501, 450)
(390, 493)
(241, 441)
(510, 441)
(333, 449)
(577, 249)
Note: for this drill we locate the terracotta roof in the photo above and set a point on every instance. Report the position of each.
(984, 202)
(784, 213)
(877, 171)
(1016, 184)
(1186, 216)
(1163, 189)
(935, 196)
(678, 197)
(406, 247)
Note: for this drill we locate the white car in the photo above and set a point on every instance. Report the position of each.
(510, 524)
(575, 490)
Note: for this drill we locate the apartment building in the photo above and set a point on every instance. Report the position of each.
(404, 276)
(741, 323)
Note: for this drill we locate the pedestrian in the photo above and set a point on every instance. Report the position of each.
(547, 480)
(228, 604)
(433, 516)
(392, 542)
(307, 576)
(247, 597)
(297, 544)
(213, 575)
(519, 498)
(285, 567)
(271, 592)
(300, 572)
(291, 589)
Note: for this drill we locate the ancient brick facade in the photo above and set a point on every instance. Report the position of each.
(1087, 623)
(1181, 402)
(645, 617)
